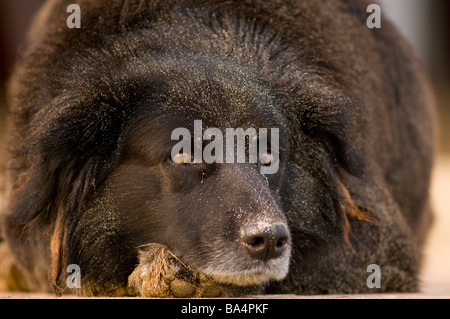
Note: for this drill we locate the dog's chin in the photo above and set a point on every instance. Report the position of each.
(257, 275)
(246, 278)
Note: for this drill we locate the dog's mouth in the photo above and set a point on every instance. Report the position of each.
(254, 273)
(160, 273)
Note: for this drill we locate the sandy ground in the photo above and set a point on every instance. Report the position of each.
(436, 270)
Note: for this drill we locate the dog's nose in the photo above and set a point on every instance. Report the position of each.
(265, 241)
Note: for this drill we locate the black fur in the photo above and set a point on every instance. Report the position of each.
(93, 109)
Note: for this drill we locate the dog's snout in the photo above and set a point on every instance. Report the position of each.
(265, 241)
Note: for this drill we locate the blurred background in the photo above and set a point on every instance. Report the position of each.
(425, 23)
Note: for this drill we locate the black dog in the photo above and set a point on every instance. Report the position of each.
(93, 181)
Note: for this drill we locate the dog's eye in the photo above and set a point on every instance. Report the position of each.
(182, 158)
(266, 159)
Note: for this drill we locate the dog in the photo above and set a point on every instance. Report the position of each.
(94, 182)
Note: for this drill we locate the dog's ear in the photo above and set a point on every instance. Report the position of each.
(70, 152)
(70, 149)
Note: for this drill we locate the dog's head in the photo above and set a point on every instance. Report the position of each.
(222, 216)
(99, 114)
(105, 175)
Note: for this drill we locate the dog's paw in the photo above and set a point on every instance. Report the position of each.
(161, 274)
